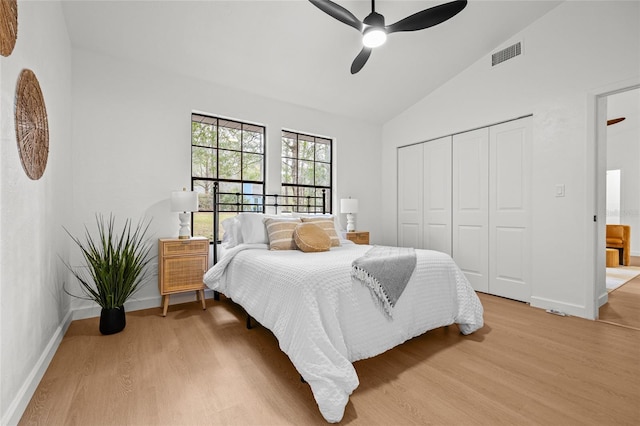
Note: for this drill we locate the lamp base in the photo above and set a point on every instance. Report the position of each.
(185, 230)
(351, 225)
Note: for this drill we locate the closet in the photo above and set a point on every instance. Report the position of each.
(468, 195)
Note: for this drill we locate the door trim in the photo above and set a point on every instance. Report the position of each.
(596, 151)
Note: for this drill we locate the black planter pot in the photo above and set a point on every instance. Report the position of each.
(112, 320)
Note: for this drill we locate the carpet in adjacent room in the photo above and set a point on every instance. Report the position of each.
(620, 275)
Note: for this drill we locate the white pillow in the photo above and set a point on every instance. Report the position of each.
(232, 236)
(252, 228)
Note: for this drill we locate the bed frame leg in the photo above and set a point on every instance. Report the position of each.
(216, 295)
(249, 326)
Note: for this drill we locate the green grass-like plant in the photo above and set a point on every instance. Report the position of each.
(116, 265)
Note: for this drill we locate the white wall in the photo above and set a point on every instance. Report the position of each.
(613, 196)
(569, 54)
(623, 153)
(131, 144)
(33, 308)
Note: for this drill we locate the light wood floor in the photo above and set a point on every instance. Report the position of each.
(623, 307)
(196, 367)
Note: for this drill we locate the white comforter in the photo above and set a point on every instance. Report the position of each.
(324, 320)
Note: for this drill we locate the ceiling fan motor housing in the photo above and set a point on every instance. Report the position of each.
(374, 19)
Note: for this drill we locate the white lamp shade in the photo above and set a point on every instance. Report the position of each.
(349, 205)
(184, 201)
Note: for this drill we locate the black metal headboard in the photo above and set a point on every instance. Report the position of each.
(237, 202)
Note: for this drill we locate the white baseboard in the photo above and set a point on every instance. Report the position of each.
(602, 299)
(567, 308)
(139, 304)
(16, 409)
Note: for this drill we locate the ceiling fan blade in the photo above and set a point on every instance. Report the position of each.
(615, 121)
(360, 60)
(428, 17)
(338, 12)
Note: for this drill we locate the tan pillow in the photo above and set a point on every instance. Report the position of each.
(328, 226)
(310, 238)
(280, 232)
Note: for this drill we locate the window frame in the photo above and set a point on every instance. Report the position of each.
(240, 203)
(327, 190)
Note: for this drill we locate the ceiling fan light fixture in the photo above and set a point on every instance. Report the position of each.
(374, 37)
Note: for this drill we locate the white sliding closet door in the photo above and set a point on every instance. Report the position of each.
(469, 195)
(410, 190)
(470, 206)
(510, 209)
(437, 195)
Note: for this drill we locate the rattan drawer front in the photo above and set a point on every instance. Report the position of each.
(359, 237)
(183, 273)
(178, 248)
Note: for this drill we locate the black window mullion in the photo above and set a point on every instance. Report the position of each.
(241, 151)
(314, 161)
(297, 162)
(217, 149)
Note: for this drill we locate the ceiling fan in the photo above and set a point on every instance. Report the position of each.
(374, 31)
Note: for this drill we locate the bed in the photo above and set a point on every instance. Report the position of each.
(325, 320)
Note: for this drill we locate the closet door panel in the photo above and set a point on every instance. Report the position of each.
(510, 209)
(470, 206)
(509, 243)
(437, 195)
(470, 243)
(508, 162)
(410, 193)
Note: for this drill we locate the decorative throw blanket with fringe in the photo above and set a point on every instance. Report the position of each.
(386, 271)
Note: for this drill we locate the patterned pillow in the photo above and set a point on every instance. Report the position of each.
(328, 226)
(280, 232)
(310, 238)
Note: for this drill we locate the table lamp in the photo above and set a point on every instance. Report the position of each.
(184, 202)
(349, 206)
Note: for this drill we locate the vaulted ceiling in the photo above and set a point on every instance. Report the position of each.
(291, 51)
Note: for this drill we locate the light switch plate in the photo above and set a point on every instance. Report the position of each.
(560, 190)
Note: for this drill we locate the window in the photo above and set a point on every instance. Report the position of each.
(306, 171)
(231, 153)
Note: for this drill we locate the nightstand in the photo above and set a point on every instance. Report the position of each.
(181, 267)
(358, 237)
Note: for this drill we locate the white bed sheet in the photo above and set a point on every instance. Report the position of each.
(324, 320)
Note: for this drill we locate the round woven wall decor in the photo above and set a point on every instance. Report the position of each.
(8, 26)
(32, 128)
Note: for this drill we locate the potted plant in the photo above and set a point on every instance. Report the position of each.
(116, 268)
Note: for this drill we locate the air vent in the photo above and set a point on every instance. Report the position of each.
(506, 54)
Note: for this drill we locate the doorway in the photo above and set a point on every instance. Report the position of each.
(617, 177)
